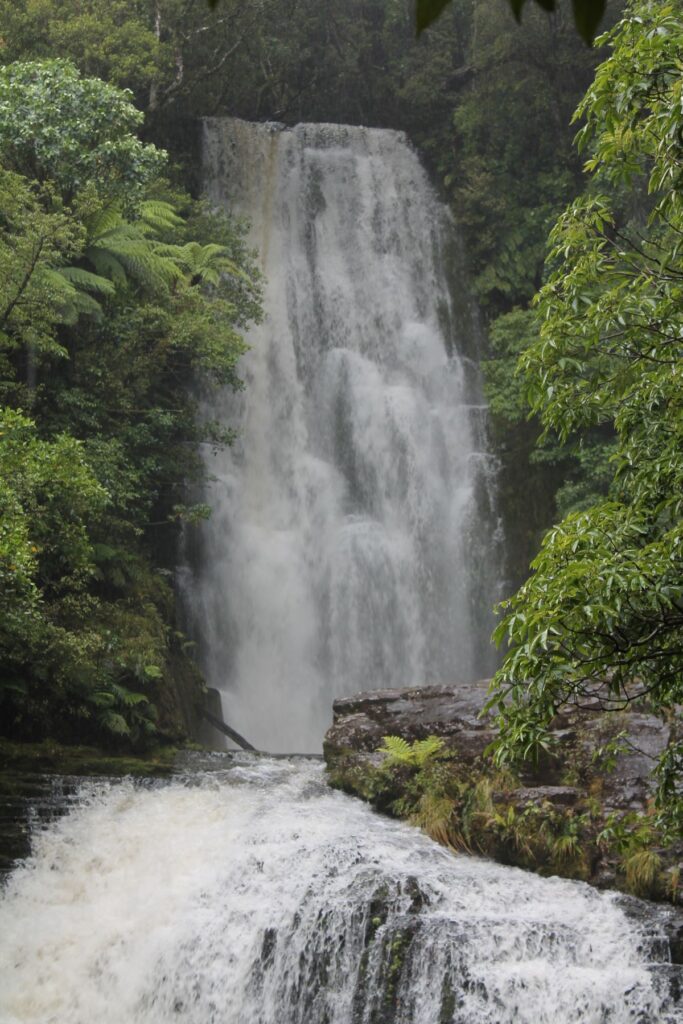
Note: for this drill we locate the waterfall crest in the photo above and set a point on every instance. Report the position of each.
(351, 542)
(253, 894)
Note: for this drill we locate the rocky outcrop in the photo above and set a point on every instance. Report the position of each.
(451, 712)
(578, 813)
(455, 714)
(628, 785)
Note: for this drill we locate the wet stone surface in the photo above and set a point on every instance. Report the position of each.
(27, 802)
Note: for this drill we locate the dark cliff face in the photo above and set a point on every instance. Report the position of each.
(580, 812)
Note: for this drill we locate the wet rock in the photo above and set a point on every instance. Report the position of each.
(455, 713)
(552, 818)
(674, 931)
(418, 898)
(451, 712)
(663, 924)
(559, 796)
(268, 946)
(629, 785)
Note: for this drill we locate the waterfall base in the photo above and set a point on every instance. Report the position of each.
(246, 892)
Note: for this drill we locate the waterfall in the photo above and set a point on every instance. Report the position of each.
(253, 894)
(352, 540)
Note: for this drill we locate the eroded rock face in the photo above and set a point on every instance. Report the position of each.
(629, 785)
(452, 712)
(455, 713)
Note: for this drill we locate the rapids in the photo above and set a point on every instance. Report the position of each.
(250, 893)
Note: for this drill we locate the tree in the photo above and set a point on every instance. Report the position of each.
(601, 618)
(115, 291)
(33, 242)
(74, 131)
(113, 40)
(515, 169)
(48, 496)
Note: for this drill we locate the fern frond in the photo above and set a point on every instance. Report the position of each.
(424, 749)
(102, 221)
(87, 281)
(114, 723)
(160, 215)
(397, 750)
(128, 697)
(68, 300)
(107, 265)
(84, 305)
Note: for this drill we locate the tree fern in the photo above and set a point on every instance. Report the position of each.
(159, 215)
(124, 250)
(204, 264)
(86, 281)
(70, 300)
(113, 722)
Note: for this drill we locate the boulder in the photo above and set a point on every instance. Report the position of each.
(452, 712)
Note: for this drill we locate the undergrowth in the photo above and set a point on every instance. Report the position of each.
(472, 807)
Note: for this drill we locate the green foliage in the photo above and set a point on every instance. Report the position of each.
(48, 494)
(514, 168)
(113, 40)
(415, 754)
(33, 244)
(510, 335)
(602, 616)
(642, 870)
(475, 807)
(56, 125)
(64, 656)
(115, 292)
(510, 170)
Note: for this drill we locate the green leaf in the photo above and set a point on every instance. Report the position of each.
(517, 7)
(587, 16)
(397, 749)
(114, 723)
(427, 11)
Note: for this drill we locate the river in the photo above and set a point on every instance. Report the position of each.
(245, 891)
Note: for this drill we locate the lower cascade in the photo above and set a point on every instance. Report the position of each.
(246, 892)
(352, 541)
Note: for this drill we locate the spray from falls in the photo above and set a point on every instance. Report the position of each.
(253, 894)
(352, 542)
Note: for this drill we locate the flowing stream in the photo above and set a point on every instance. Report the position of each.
(250, 893)
(353, 541)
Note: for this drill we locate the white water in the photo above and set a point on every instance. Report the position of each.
(352, 542)
(255, 895)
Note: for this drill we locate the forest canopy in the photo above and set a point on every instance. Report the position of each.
(587, 13)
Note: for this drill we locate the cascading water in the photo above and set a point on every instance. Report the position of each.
(352, 535)
(253, 894)
(350, 547)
